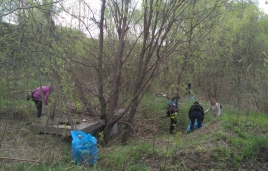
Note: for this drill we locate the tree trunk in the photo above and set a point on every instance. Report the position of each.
(116, 72)
(130, 120)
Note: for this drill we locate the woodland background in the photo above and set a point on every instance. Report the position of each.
(125, 53)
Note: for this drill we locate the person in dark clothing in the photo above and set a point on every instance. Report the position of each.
(173, 121)
(171, 106)
(172, 112)
(196, 112)
(188, 89)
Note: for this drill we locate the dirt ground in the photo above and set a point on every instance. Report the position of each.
(21, 143)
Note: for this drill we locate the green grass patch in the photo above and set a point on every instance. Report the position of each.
(248, 148)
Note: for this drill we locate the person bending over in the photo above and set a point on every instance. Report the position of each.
(37, 96)
(196, 112)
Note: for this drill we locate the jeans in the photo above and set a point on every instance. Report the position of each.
(38, 104)
(198, 116)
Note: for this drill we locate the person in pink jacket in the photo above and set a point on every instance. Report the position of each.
(37, 96)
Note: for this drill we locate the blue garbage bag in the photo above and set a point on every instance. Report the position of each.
(195, 126)
(84, 147)
(192, 98)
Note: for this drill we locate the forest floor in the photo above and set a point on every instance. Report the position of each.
(225, 143)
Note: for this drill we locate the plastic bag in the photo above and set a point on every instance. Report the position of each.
(195, 126)
(192, 98)
(84, 147)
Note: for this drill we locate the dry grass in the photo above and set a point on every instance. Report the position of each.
(21, 144)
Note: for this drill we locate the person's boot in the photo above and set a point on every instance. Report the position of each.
(171, 130)
(39, 113)
(192, 128)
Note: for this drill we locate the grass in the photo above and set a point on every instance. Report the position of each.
(225, 142)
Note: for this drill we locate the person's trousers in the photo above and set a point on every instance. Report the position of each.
(38, 104)
(172, 125)
(173, 122)
(188, 91)
(198, 116)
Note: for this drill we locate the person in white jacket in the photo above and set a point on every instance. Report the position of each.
(215, 107)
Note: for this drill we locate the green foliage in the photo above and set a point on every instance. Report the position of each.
(100, 135)
(128, 156)
(248, 148)
(153, 105)
(244, 129)
(175, 143)
(223, 46)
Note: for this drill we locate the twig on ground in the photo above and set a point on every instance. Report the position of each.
(26, 160)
